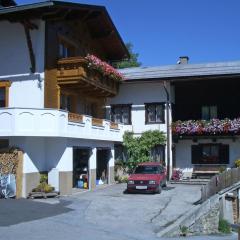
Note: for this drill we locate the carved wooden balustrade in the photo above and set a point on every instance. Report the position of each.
(77, 118)
(74, 73)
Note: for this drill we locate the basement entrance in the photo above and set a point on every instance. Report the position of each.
(103, 157)
(81, 167)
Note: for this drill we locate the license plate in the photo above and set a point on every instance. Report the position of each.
(141, 187)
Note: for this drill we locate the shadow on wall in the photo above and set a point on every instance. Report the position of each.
(55, 149)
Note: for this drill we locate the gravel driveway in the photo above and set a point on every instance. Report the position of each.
(103, 214)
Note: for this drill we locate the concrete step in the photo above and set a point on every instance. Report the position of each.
(191, 181)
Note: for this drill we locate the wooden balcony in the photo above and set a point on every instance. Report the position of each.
(77, 118)
(97, 122)
(73, 73)
(73, 117)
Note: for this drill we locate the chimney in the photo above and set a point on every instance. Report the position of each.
(183, 60)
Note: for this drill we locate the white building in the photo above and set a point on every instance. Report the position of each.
(53, 104)
(48, 92)
(198, 93)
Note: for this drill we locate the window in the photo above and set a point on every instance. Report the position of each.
(4, 143)
(65, 49)
(210, 154)
(158, 154)
(4, 92)
(154, 113)
(209, 112)
(121, 113)
(65, 102)
(120, 152)
(2, 97)
(148, 169)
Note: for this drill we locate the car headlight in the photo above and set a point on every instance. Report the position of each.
(130, 182)
(152, 182)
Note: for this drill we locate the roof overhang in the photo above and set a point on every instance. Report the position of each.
(97, 19)
(186, 72)
(7, 3)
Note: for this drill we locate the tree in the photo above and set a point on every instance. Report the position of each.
(131, 62)
(139, 148)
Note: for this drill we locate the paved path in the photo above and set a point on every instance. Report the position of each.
(105, 214)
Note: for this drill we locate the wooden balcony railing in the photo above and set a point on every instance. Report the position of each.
(97, 122)
(77, 118)
(74, 72)
(113, 125)
(74, 117)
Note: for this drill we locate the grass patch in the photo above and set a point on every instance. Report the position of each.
(224, 226)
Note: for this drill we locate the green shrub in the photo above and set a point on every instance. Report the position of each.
(237, 163)
(43, 185)
(123, 179)
(43, 178)
(183, 230)
(224, 226)
(222, 169)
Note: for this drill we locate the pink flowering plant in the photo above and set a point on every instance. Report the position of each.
(104, 68)
(203, 127)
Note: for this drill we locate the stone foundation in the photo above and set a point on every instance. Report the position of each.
(200, 220)
(65, 183)
(30, 181)
(93, 176)
(111, 175)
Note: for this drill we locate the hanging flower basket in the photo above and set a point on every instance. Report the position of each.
(104, 68)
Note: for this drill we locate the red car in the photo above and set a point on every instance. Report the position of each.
(147, 177)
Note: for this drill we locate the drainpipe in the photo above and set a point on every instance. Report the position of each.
(168, 129)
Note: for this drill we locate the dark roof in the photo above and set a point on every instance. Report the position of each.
(182, 71)
(7, 3)
(96, 17)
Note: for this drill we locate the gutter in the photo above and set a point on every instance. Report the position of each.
(168, 129)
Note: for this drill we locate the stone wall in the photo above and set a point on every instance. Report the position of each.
(200, 220)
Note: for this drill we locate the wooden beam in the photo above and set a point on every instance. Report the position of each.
(30, 47)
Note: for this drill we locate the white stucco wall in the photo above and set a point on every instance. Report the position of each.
(138, 94)
(43, 154)
(34, 153)
(27, 89)
(184, 154)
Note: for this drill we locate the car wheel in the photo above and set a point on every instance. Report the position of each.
(159, 190)
(165, 183)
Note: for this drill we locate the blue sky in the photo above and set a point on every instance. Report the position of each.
(163, 30)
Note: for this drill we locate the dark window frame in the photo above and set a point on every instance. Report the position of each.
(198, 158)
(162, 161)
(122, 106)
(155, 104)
(209, 117)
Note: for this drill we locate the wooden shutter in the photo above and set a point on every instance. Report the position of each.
(196, 154)
(224, 154)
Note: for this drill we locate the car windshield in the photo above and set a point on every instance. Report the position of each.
(147, 169)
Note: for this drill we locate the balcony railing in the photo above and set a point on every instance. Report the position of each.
(73, 117)
(203, 127)
(77, 118)
(75, 72)
(56, 123)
